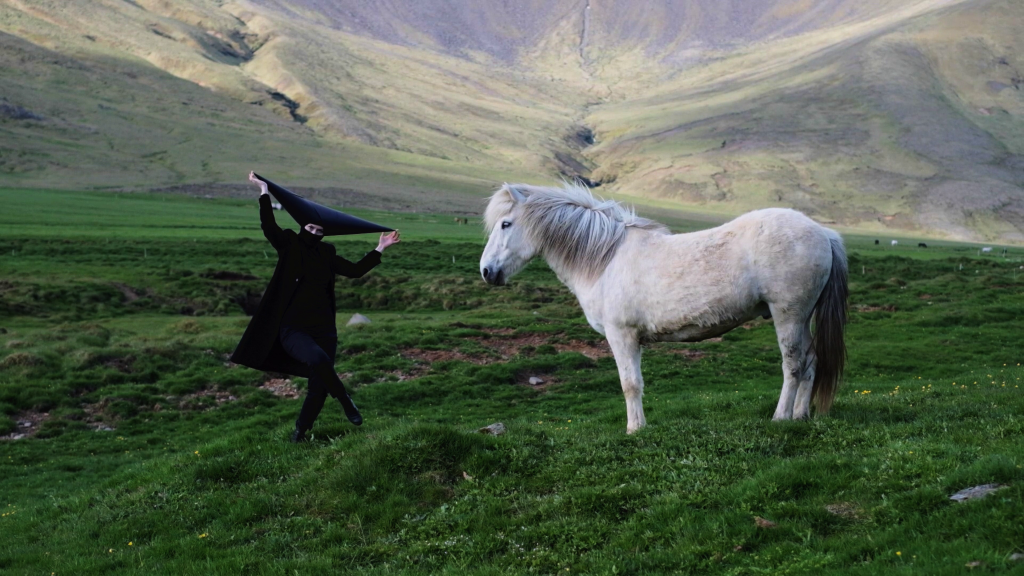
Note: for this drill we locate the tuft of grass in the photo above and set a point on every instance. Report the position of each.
(187, 326)
(20, 359)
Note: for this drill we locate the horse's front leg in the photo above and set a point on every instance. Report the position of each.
(626, 348)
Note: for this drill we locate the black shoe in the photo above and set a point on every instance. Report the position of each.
(299, 436)
(350, 410)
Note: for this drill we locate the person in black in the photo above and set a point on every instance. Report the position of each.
(293, 331)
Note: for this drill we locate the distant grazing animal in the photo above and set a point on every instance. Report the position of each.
(876, 242)
(922, 245)
(895, 242)
(986, 249)
(638, 283)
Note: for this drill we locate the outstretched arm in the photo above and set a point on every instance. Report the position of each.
(343, 267)
(271, 230)
(355, 270)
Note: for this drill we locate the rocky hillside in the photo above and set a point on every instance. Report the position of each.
(873, 114)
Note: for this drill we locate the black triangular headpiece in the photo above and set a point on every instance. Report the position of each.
(333, 222)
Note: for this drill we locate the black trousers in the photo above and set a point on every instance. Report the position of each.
(315, 347)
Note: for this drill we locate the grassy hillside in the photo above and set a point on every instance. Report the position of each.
(147, 452)
(879, 115)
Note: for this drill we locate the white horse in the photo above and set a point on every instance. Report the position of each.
(638, 283)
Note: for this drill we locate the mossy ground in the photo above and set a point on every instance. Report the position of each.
(196, 474)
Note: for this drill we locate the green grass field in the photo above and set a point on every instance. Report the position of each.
(150, 453)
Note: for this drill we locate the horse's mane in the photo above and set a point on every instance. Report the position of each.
(575, 230)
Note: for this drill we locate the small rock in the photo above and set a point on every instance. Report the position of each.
(357, 319)
(976, 492)
(534, 381)
(1017, 557)
(974, 564)
(496, 429)
(763, 523)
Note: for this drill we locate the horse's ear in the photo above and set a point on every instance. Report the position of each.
(517, 196)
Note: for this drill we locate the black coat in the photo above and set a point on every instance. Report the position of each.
(260, 347)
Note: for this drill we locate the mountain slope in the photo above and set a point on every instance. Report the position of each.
(894, 127)
(876, 114)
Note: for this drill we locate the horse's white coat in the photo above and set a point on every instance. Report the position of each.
(638, 283)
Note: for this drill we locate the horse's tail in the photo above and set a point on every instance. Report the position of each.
(830, 321)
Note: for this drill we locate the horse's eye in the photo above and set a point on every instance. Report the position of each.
(505, 224)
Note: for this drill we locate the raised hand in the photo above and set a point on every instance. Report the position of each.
(258, 182)
(387, 240)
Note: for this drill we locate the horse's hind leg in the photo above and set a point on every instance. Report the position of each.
(626, 348)
(790, 333)
(802, 406)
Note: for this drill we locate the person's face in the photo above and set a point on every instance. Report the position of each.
(315, 229)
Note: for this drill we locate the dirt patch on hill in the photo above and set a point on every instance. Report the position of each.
(281, 387)
(123, 365)
(130, 295)
(845, 509)
(590, 350)
(28, 423)
(864, 308)
(403, 375)
(499, 331)
(688, 353)
(508, 345)
(97, 418)
(420, 355)
(205, 399)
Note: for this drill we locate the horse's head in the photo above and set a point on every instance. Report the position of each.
(509, 246)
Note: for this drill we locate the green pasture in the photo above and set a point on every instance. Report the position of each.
(150, 453)
(146, 216)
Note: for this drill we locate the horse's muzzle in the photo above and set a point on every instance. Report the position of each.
(493, 277)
